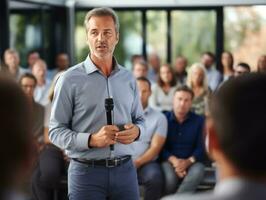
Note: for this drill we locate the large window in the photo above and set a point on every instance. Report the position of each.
(193, 32)
(245, 30)
(157, 33)
(27, 33)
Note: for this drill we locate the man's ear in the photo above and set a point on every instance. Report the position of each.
(117, 37)
(211, 140)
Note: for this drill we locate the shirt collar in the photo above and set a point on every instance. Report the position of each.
(147, 110)
(173, 117)
(90, 67)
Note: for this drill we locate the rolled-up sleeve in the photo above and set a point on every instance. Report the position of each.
(60, 132)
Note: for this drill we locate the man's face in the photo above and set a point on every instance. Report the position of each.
(154, 61)
(101, 36)
(39, 71)
(12, 62)
(144, 91)
(139, 70)
(33, 57)
(182, 102)
(239, 70)
(180, 65)
(207, 60)
(28, 86)
(262, 64)
(62, 62)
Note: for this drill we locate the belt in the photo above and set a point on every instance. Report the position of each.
(108, 162)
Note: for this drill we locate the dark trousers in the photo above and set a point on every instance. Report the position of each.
(101, 183)
(48, 172)
(150, 176)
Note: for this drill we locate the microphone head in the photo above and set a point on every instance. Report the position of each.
(109, 104)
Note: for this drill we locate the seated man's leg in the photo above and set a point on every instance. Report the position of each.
(47, 173)
(171, 179)
(195, 175)
(151, 177)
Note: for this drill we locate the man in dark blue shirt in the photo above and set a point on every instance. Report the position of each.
(184, 149)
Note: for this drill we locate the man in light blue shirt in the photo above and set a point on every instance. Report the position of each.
(78, 118)
(147, 150)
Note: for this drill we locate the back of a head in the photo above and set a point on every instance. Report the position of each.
(15, 127)
(239, 113)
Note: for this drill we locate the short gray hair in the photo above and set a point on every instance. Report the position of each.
(99, 12)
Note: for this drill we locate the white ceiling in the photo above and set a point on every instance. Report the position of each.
(142, 3)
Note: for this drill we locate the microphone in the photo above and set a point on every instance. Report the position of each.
(109, 106)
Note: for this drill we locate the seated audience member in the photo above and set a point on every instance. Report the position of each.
(261, 68)
(136, 58)
(16, 144)
(227, 61)
(51, 166)
(11, 64)
(140, 69)
(28, 83)
(32, 57)
(148, 149)
(213, 75)
(180, 70)
(163, 92)
(183, 151)
(241, 68)
(237, 142)
(41, 93)
(197, 81)
(61, 64)
(154, 67)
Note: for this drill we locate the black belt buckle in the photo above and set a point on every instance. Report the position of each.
(111, 162)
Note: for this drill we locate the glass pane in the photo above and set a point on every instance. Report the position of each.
(130, 40)
(193, 32)
(157, 33)
(81, 47)
(26, 35)
(245, 30)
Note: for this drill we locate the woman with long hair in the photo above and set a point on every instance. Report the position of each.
(163, 91)
(197, 81)
(227, 61)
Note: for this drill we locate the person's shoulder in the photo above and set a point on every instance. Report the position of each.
(157, 113)
(201, 196)
(196, 117)
(168, 114)
(73, 73)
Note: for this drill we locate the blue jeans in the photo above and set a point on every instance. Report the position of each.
(101, 183)
(151, 177)
(189, 184)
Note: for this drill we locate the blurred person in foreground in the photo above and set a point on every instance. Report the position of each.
(16, 144)
(237, 142)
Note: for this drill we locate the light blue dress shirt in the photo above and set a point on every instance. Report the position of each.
(78, 108)
(155, 123)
